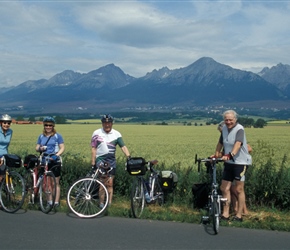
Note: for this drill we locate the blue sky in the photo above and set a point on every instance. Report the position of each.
(39, 39)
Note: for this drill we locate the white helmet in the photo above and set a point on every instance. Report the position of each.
(5, 118)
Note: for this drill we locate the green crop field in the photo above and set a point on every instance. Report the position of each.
(169, 144)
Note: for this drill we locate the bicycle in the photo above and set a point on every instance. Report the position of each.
(88, 197)
(12, 187)
(214, 199)
(40, 181)
(143, 189)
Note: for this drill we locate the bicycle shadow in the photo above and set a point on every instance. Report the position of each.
(74, 216)
(209, 229)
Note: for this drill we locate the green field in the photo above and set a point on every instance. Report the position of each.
(169, 144)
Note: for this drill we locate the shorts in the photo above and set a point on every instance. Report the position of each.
(55, 169)
(234, 172)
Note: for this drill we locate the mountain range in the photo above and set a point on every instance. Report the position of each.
(203, 83)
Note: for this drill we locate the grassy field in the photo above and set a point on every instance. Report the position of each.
(169, 144)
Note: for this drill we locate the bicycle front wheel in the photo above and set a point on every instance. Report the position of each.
(88, 198)
(12, 194)
(215, 216)
(47, 192)
(137, 198)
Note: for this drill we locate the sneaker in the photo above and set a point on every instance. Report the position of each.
(237, 219)
(225, 218)
(56, 205)
(102, 205)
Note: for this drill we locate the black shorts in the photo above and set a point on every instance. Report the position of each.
(234, 172)
(3, 169)
(55, 169)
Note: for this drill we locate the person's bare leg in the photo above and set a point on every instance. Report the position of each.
(225, 188)
(241, 197)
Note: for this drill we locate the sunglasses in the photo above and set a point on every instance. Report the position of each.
(48, 125)
(6, 123)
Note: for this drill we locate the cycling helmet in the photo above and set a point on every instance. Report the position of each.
(6, 118)
(49, 119)
(107, 118)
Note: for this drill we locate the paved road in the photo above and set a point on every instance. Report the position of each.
(35, 230)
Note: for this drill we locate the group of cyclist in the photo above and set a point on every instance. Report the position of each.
(232, 144)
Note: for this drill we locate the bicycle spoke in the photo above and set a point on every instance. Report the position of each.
(12, 194)
(86, 196)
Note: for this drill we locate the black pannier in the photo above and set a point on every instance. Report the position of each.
(13, 161)
(200, 195)
(31, 161)
(136, 166)
(169, 180)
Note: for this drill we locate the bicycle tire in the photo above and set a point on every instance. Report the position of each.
(12, 195)
(47, 192)
(215, 216)
(88, 197)
(158, 192)
(137, 198)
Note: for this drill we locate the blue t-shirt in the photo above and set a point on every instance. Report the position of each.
(52, 144)
(5, 141)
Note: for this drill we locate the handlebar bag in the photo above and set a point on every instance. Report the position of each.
(31, 161)
(136, 166)
(13, 161)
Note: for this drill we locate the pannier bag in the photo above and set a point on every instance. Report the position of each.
(13, 161)
(200, 195)
(136, 166)
(169, 180)
(31, 161)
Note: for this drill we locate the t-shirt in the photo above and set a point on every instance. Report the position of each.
(106, 143)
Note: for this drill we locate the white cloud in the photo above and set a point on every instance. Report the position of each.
(41, 39)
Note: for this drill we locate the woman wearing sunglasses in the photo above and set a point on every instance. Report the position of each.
(5, 138)
(52, 142)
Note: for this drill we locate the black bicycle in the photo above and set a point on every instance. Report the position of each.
(143, 190)
(214, 199)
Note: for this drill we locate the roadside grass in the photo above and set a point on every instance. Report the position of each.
(258, 218)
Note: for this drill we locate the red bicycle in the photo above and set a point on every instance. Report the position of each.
(40, 181)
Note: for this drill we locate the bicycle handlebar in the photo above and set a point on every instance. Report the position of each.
(211, 160)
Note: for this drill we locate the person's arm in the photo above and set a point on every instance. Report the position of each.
(125, 151)
(61, 149)
(93, 155)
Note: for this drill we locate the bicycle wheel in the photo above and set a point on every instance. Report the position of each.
(29, 187)
(158, 193)
(12, 194)
(47, 192)
(137, 198)
(215, 216)
(88, 198)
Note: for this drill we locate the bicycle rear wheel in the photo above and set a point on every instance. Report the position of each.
(215, 216)
(88, 198)
(137, 198)
(158, 193)
(12, 194)
(47, 192)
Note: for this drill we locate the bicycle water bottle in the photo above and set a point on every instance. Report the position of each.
(39, 180)
(147, 197)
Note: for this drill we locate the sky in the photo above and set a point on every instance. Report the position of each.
(39, 39)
